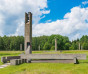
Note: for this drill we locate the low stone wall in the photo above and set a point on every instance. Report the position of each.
(20, 61)
(60, 58)
(17, 61)
(8, 58)
(55, 61)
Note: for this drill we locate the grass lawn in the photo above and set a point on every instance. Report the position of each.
(46, 68)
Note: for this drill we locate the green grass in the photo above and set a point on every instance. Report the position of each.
(46, 68)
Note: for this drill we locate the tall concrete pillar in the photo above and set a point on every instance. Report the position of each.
(55, 44)
(79, 46)
(20, 47)
(28, 33)
(39, 47)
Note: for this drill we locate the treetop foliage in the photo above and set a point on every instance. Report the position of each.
(45, 43)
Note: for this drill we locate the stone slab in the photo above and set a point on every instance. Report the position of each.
(14, 62)
(12, 57)
(18, 61)
(3, 59)
(54, 56)
(55, 61)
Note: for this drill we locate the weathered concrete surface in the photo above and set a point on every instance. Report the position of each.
(53, 56)
(8, 58)
(55, 61)
(55, 44)
(28, 50)
(60, 58)
(28, 33)
(14, 62)
(3, 59)
(24, 60)
(18, 61)
(20, 47)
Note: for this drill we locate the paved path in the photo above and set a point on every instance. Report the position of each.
(4, 65)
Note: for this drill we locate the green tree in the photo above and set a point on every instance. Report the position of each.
(1, 44)
(53, 48)
(73, 46)
(46, 46)
(85, 46)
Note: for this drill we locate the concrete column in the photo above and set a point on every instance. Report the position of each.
(55, 44)
(79, 46)
(20, 47)
(28, 33)
(39, 47)
(26, 17)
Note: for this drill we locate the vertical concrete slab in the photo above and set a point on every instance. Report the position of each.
(3, 59)
(55, 44)
(22, 61)
(79, 46)
(20, 47)
(39, 47)
(19, 61)
(25, 60)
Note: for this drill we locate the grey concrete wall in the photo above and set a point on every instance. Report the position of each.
(8, 58)
(54, 61)
(3, 59)
(12, 57)
(18, 61)
(54, 56)
(14, 62)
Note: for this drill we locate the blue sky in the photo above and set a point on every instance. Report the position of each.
(64, 17)
(58, 8)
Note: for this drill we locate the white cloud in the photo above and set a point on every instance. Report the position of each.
(72, 24)
(20, 6)
(46, 12)
(48, 21)
(19, 30)
(1, 25)
(13, 10)
(11, 6)
(75, 36)
(85, 2)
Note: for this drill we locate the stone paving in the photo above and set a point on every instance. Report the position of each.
(4, 65)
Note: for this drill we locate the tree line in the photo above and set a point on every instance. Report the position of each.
(44, 43)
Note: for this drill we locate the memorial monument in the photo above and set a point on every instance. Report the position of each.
(28, 56)
(28, 33)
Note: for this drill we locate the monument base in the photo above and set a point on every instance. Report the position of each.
(53, 58)
(55, 61)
